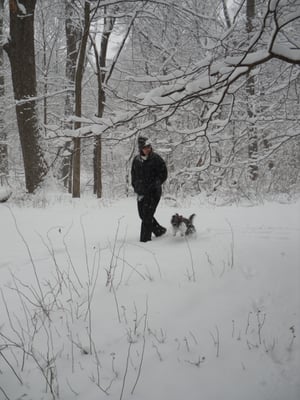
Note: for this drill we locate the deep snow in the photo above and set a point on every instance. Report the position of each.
(209, 317)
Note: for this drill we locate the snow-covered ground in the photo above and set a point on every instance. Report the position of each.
(88, 312)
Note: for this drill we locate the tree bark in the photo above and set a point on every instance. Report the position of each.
(3, 135)
(253, 144)
(20, 50)
(101, 64)
(73, 36)
(226, 14)
(78, 100)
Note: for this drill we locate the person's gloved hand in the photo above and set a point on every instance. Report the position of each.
(139, 188)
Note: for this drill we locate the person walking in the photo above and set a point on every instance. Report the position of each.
(148, 173)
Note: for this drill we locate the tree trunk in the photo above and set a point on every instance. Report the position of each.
(3, 136)
(98, 167)
(252, 135)
(226, 14)
(73, 36)
(78, 100)
(101, 64)
(20, 50)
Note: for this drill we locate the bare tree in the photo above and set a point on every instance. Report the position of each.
(103, 76)
(78, 100)
(210, 87)
(224, 80)
(3, 135)
(73, 31)
(20, 50)
(101, 59)
(252, 132)
(226, 14)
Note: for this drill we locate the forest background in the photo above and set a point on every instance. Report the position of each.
(215, 86)
(86, 310)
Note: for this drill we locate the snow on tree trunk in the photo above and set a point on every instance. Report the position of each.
(101, 66)
(73, 35)
(253, 144)
(78, 100)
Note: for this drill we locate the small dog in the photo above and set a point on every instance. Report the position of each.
(183, 225)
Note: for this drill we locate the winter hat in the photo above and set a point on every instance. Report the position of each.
(143, 142)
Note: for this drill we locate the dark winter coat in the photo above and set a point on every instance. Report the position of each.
(147, 175)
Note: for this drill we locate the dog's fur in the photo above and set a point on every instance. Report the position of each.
(183, 225)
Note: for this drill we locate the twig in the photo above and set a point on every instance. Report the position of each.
(30, 256)
(95, 269)
(153, 255)
(91, 292)
(109, 270)
(123, 269)
(196, 363)
(26, 311)
(69, 256)
(8, 315)
(72, 345)
(187, 344)
(120, 47)
(32, 355)
(157, 352)
(161, 339)
(216, 341)
(132, 268)
(70, 387)
(51, 251)
(143, 349)
(126, 370)
(293, 332)
(118, 257)
(271, 348)
(116, 301)
(192, 261)
(231, 244)
(210, 263)
(248, 322)
(98, 373)
(2, 390)
(194, 338)
(260, 324)
(85, 250)
(89, 328)
(11, 367)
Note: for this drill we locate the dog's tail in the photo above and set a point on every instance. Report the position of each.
(191, 218)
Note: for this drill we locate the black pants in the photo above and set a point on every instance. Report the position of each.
(146, 208)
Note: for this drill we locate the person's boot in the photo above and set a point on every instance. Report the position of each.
(159, 231)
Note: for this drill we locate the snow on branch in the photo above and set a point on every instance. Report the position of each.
(224, 72)
(285, 53)
(211, 79)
